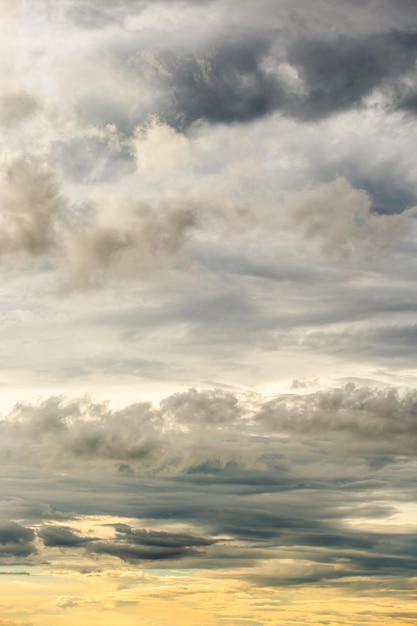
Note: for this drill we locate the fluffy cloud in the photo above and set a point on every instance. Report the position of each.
(31, 204)
(157, 148)
(340, 216)
(170, 438)
(128, 239)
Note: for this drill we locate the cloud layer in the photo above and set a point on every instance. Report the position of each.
(207, 312)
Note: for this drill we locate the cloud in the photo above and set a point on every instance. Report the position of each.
(148, 545)
(16, 541)
(16, 107)
(337, 75)
(202, 408)
(118, 236)
(340, 216)
(291, 491)
(61, 537)
(31, 204)
(131, 435)
(124, 238)
(88, 15)
(255, 73)
(170, 438)
(370, 419)
(224, 85)
(159, 148)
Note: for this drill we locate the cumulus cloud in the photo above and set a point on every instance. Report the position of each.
(372, 419)
(31, 203)
(340, 217)
(119, 236)
(110, 236)
(159, 148)
(169, 438)
(89, 431)
(124, 238)
(202, 408)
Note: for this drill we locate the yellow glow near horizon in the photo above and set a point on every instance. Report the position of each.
(178, 598)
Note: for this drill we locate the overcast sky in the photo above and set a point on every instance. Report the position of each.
(208, 328)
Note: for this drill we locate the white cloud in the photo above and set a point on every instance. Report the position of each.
(159, 148)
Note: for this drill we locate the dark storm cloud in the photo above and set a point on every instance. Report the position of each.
(61, 537)
(16, 541)
(162, 539)
(148, 545)
(224, 85)
(240, 78)
(337, 75)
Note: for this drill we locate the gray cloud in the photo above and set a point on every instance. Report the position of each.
(321, 498)
(249, 76)
(16, 541)
(205, 408)
(338, 75)
(148, 545)
(225, 85)
(61, 537)
(370, 421)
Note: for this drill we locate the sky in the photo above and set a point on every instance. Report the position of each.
(208, 403)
